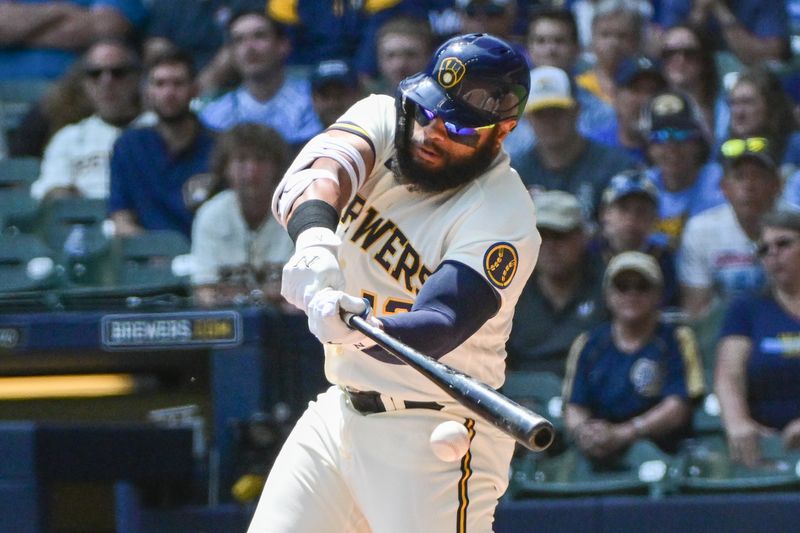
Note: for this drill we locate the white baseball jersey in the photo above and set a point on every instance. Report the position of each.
(393, 239)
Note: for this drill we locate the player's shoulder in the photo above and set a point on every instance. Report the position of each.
(500, 186)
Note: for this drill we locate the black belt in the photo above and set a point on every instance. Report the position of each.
(370, 402)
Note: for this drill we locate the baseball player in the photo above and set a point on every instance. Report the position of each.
(409, 204)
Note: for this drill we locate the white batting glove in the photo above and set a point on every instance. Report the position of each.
(325, 317)
(314, 266)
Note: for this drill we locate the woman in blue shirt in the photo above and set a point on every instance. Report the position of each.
(757, 374)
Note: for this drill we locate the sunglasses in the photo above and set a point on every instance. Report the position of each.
(638, 285)
(95, 73)
(736, 147)
(781, 243)
(687, 52)
(673, 135)
(425, 116)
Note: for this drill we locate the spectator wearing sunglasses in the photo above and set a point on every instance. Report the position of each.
(760, 107)
(42, 38)
(753, 31)
(634, 377)
(757, 373)
(564, 296)
(717, 258)
(497, 17)
(688, 64)
(678, 146)
(76, 159)
(562, 158)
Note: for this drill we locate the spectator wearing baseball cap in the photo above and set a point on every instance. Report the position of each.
(334, 88)
(552, 40)
(635, 377)
(563, 297)
(678, 144)
(562, 158)
(717, 258)
(628, 216)
(636, 79)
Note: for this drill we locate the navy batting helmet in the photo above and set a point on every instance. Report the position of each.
(473, 80)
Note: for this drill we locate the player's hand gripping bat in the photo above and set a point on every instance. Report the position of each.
(529, 429)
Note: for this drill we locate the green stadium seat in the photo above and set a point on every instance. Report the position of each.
(705, 466)
(18, 210)
(26, 264)
(19, 172)
(643, 469)
(144, 261)
(58, 217)
(16, 98)
(538, 391)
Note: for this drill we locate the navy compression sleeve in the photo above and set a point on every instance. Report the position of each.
(454, 303)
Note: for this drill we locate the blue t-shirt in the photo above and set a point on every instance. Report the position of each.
(607, 133)
(147, 179)
(773, 369)
(52, 63)
(290, 111)
(675, 207)
(618, 386)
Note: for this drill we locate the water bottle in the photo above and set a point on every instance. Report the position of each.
(76, 251)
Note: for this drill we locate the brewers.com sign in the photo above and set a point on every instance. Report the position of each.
(168, 330)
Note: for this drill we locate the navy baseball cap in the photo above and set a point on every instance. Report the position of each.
(632, 69)
(629, 183)
(333, 71)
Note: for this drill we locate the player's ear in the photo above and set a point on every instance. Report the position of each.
(504, 128)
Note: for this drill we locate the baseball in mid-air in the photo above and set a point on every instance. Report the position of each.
(450, 441)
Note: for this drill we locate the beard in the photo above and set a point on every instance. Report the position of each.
(455, 173)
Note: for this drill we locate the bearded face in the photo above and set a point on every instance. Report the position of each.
(457, 163)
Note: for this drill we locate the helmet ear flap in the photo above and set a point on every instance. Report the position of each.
(405, 108)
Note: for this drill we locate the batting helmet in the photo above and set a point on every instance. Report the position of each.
(473, 80)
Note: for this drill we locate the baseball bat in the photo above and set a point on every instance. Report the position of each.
(529, 429)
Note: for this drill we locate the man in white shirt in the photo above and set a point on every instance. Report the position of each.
(76, 160)
(717, 256)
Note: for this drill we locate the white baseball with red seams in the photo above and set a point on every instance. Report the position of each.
(449, 441)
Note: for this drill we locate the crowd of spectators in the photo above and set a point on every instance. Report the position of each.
(658, 138)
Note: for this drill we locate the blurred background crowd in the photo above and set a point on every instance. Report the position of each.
(660, 144)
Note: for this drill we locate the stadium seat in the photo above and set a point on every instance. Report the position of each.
(642, 469)
(538, 391)
(19, 172)
(705, 466)
(18, 211)
(17, 97)
(26, 264)
(58, 217)
(144, 261)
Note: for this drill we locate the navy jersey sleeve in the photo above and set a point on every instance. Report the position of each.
(453, 304)
(120, 170)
